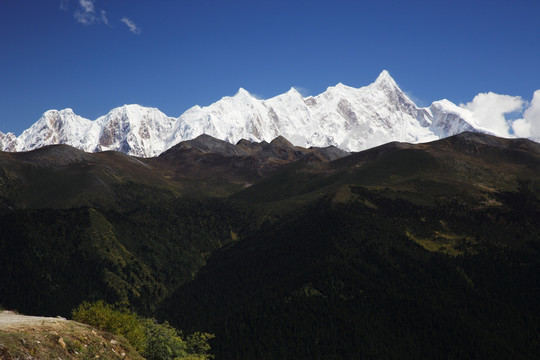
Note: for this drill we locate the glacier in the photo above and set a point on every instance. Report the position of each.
(353, 119)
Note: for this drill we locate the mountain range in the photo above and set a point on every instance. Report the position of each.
(351, 119)
(426, 247)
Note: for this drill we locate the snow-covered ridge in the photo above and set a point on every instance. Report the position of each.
(352, 119)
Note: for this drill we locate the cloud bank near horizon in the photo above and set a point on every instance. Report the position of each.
(529, 125)
(494, 112)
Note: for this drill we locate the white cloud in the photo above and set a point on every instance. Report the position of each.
(86, 14)
(131, 25)
(529, 126)
(489, 110)
(521, 128)
(87, 5)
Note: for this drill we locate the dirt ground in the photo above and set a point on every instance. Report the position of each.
(35, 337)
(10, 320)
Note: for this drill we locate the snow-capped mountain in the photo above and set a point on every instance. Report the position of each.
(56, 127)
(352, 119)
(131, 129)
(134, 130)
(8, 142)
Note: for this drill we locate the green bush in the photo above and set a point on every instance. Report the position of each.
(152, 340)
(163, 341)
(197, 343)
(117, 320)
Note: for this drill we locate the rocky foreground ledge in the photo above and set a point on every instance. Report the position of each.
(35, 337)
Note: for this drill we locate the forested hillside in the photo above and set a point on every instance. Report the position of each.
(375, 278)
(401, 251)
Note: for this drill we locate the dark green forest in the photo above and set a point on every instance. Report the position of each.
(339, 281)
(66, 256)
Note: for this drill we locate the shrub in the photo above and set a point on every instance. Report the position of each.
(163, 341)
(117, 320)
(152, 340)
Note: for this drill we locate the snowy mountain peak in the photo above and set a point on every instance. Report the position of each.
(133, 129)
(448, 118)
(340, 90)
(63, 113)
(352, 119)
(293, 91)
(384, 80)
(131, 109)
(344, 88)
(54, 127)
(127, 107)
(243, 93)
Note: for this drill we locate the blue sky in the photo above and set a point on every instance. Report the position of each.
(94, 55)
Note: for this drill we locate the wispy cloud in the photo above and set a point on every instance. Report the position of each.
(104, 18)
(131, 25)
(86, 14)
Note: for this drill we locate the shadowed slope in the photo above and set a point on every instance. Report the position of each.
(402, 251)
(60, 176)
(468, 164)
